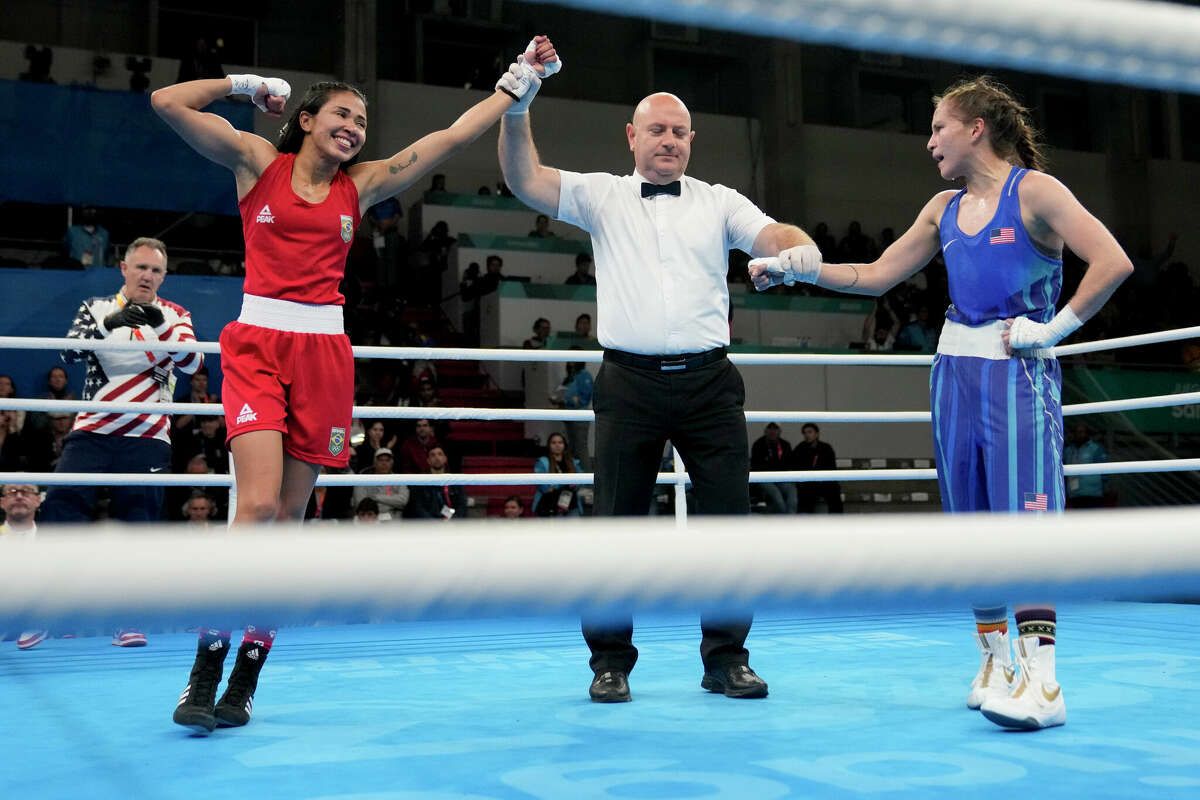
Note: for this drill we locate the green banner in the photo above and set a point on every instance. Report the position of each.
(496, 241)
(1089, 384)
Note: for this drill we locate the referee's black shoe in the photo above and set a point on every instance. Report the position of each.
(195, 708)
(611, 686)
(233, 709)
(734, 680)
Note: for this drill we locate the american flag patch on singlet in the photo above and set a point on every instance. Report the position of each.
(1035, 502)
(1002, 236)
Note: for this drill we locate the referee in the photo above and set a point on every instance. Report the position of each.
(661, 242)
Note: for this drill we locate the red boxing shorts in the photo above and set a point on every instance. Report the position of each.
(300, 384)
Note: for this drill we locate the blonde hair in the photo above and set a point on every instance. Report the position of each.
(1009, 129)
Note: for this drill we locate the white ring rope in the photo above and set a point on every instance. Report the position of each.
(550, 478)
(524, 479)
(1140, 43)
(589, 356)
(539, 414)
(591, 563)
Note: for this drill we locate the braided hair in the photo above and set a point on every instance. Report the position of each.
(1009, 129)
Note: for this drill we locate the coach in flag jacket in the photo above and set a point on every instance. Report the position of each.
(116, 442)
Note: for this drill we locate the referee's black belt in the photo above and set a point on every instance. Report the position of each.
(677, 363)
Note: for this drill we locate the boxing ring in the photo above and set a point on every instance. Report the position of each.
(445, 661)
(434, 662)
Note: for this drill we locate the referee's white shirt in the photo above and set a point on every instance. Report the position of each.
(661, 261)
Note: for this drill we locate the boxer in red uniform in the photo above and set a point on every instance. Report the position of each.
(289, 372)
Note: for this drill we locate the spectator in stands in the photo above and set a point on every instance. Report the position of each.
(60, 429)
(514, 507)
(427, 394)
(391, 498)
(541, 332)
(197, 393)
(813, 454)
(824, 242)
(918, 335)
(177, 496)
(8, 388)
(1085, 491)
(20, 502)
(881, 327)
(389, 242)
(575, 393)
(438, 502)
(484, 190)
(209, 439)
(366, 512)
(557, 500)
(583, 326)
(87, 240)
(856, 247)
(364, 454)
(14, 450)
(200, 509)
(541, 228)
(583, 271)
(414, 451)
(56, 389)
(437, 184)
(204, 61)
(433, 258)
(490, 280)
(772, 453)
(886, 237)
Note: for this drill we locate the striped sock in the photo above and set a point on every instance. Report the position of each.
(991, 618)
(262, 636)
(1037, 620)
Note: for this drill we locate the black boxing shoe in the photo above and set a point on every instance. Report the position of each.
(734, 680)
(610, 687)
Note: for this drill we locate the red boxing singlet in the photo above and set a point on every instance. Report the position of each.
(296, 250)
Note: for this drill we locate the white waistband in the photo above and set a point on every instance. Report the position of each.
(284, 315)
(981, 341)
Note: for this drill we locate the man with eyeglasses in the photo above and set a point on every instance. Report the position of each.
(20, 502)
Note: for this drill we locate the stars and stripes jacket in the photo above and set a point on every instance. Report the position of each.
(131, 375)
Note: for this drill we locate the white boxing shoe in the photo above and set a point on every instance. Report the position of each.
(997, 674)
(1037, 701)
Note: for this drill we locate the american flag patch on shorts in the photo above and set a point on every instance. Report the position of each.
(1002, 236)
(1035, 502)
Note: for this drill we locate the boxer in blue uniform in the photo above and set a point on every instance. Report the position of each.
(995, 388)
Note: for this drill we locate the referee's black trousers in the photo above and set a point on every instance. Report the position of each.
(701, 412)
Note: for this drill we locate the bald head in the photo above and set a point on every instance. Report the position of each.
(660, 137)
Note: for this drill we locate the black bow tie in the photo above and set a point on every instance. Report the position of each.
(650, 189)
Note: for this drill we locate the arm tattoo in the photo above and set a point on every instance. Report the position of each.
(394, 168)
(853, 282)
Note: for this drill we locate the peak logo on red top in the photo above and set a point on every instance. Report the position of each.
(265, 215)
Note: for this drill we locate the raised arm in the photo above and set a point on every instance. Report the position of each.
(536, 185)
(377, 180)
(906, 256)
(211, 135)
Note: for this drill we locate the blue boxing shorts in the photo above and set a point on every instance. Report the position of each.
(997, 424)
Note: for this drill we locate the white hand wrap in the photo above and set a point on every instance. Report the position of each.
(249, 85)
(800, 264)
(522, 81)
(1025, 333)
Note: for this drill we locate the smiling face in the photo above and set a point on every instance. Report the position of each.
(144, 270)
(660, 137)
(339, 128)
(952, 140)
